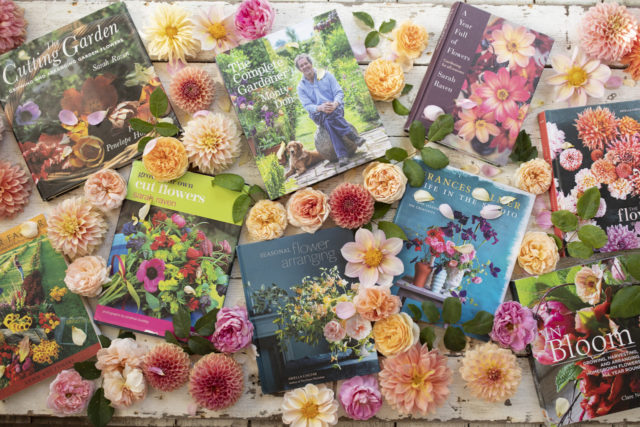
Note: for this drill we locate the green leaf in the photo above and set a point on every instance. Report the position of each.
(557, 240)
(568, 372)
(427, 336)
(387, 26)
(158, 102)
(142, 143)
(399, 109)
(140, 125)
(152, 301)
(434, 158)
(523, 150)
(206, 325)
(417, 134)
(368, 226)
(451, 310)
(442, 127)
(200, 345)
(230, 181)
(454, 339)
(126, 334)
(133, 293)
(414, 172)
(481, 323)
(396, 153)
(391, 230)
(406, 89)
(372, 39)
(593, 236)
(104, 341)
(431, 311)
(167, 129)
(170, 338)
(365, 18)
(380, 209)
(241, 207)
(257, 193)
(589, 203)
(416, 314)
(99, 410)
(632, 264)
(579, 250)
(564, 220)
(87, 370)
(626, 302)
(182, 323)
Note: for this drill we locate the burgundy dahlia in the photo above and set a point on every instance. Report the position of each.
(351, 205)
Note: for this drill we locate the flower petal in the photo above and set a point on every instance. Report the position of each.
(96, 117)
(67, 117)
(352, 252)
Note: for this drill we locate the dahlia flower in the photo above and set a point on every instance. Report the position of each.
(169, 34)
(216, 381)
(632, 60)
(13, 29)
(571, 159)
(513, 45)
(214, 30)
(595, 127)
(620, 238)
(625, 149)
(501, 93)
(351, 205)
(476, 123)
(607, 31)
(628, 126)
(76, 228)
(166, 367)
(254, 18)
(578, 77)
(604, 171)
(310, 405)
(556, 139)
(372, 258)
(192, 89)
(620, 189)
(15, 189)
(212, 142)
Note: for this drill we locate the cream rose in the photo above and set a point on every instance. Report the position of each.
(266, 220)
(533, 176)
(538, 253)
(385, 79)
(308, 209)
(86, 275)
(395, 334)
(410, 40)
(385, 182)
(105, 189)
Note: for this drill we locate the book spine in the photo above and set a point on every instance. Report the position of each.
(546, 152)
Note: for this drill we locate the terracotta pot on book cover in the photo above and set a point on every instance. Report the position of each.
(422, 272)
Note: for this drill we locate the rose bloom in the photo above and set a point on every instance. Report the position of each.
(165, 158)
(588, 283)
(410, 40)
(395, 334)
(124, 388)
(360, 397)
(334, 331)
(385, 79)
(538, 253)
(69, 393)
(86, 275)
(234, 330)
(357, 327)
(533, 176)
(122, 352)
(557, 322)
(385, 182)
(376, 303)
(266, 220)
(308, 209)
(105, 189)
(513, 326)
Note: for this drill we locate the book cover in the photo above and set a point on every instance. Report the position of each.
(585, 358)
(303, 104)
(68, 97)
(464, 234)
(45, 328)
(290, 303)
(484, 72)
(599, 146)
(173, 247)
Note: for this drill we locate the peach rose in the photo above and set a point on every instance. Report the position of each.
(86, 275)
(165, 158)
(121, 352)
(395, 334)
(105, 189)
(385, 182)
(533, 176)
(538, 253)
(266, 220)
(410, 40)
(124, 388)
(308, 209)
(385, 79)
(376, 303)
(357, 327)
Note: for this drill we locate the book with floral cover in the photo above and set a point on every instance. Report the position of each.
(597, 146)
(484, 72)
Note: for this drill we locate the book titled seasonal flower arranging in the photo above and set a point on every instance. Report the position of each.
(484, 72)
(464, 234)
(597, 146)
(303, 104)
(69, 95)
(173, 248)
(292, 305)
(45, 328)
(585, 356)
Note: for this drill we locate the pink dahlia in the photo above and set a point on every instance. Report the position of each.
(192, 89)
(501, 93)
(13, 28)
(69, 393)
(372, 258)
(608, 31)
(351, 205)
(216, 381)
(604, 171)
(625, 149)
(15, 188)
(234, 330)
(254, 18)
(571, 159)
(166, 367)
(595, 127)
(360, 397)
(476, 123)
(76, 228)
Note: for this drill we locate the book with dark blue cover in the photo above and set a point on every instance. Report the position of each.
(292, 286)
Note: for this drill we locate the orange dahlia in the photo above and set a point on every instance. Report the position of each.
(604, 171)
(595, 127)
(628, 126)
(632, 59)
(15, 188)
(192, 89)
(76, 228)
(625, 150)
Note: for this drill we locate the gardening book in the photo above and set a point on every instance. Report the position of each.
(484, 72)
(292, 301)
(585, 356)
(173, 247)
(45, 328)
(597, 146)
(69, 96)
(303, 104)
(463, 238)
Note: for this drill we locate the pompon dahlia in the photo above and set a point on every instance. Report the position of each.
(634, 179)
(15, 189)
(628, 126)
(212, 142)
(13, 28)
(595, 127)
(607, 31)
(571, 159)
(351, 205)
(76, 228)
(192, 89)
(604, 171)
(166, 367)
(625, 149)
(620, 189)
(216, 381)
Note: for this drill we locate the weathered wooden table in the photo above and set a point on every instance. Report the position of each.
(557, 18)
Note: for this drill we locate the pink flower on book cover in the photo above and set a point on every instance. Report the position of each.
(501, 93)
(513, 44)
(476, 123)
(151, 272)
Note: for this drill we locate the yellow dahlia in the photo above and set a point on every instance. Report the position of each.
(169, 35)
(212, 141)
(76, 228)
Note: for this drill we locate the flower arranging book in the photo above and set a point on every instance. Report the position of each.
(308, 121)
(68, 96)
(45, 328)
(292, 301)
(484, 72)
(173, 247)
(585, 357)
(599, 146)
(464, 234)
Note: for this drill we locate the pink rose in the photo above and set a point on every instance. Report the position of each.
(69, 393)
(345, 310)
(477, 280)
(254, 18)
(557, 322)
(86, 275)
(121, 352)
(234, 330)
(360, 397)
(357, 327)
(105, 189)
(308, 209)
(513, 326)
(178, 220)
(334, 332)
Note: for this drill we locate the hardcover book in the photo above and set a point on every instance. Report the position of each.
(464, 234)
(303, 104)
(173, 247)
(292, 301)
(68, 96)
(585, 358)
(484, 72)
(599, 146)
(45, 328)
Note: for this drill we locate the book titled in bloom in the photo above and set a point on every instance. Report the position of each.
(173, 247)
(484, 72)
(597, 146)
(45, 328)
